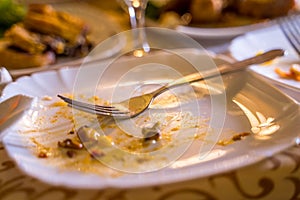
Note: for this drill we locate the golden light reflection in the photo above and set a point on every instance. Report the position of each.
(260, 124)
(196, 159)
(208, 87)
(136, 3)
(139, 53)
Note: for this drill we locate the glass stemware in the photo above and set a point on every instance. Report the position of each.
(136, 10)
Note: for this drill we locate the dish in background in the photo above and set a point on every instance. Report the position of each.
(221, 33)
(224, 19)
(102, 27)
(249, 99)
(262, 40)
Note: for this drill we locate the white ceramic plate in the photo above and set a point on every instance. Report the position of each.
(221, 33)
(102, 27)
(250, 101)
(228, 32)
(262, 40)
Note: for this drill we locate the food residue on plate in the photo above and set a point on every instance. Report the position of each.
(72, 141)
(234, 138)
(293, 73)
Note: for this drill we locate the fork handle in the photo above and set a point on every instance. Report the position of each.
(221, 70)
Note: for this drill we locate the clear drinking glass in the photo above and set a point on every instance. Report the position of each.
(136, 10)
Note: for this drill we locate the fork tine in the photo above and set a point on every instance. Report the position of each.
(290, 27)
(87, 105)
(99, 112)
(91, 106)
(95, 109)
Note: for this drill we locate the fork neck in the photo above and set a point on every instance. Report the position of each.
(160, 90)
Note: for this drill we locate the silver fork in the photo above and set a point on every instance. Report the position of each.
(136, 105)
(290, 26)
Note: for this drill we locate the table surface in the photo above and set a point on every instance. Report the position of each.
(276, 177)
